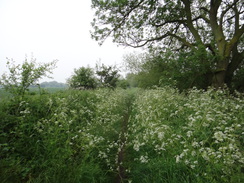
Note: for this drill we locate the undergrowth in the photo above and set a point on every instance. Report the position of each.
(165, 136)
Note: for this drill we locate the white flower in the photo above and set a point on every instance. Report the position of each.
(189, 134)
(193, 153)
(136, 147)
(193, 166)
(161, 135)
(195, 144)
(144, 159)
(219, 136)
(187, 162)
(205, 156)
(177, 159)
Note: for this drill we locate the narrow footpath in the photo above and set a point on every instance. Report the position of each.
(121, 176)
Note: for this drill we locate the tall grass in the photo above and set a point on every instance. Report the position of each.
(122, 135)
(193, 138)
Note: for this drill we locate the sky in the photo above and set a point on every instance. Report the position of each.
(50, 30)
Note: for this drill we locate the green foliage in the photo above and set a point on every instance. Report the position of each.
(122, 83)
(144, 71)
(83, 78)
(22, 76)
(196, 29)
(154, 135)
(238, 79)
(183, 70)
(178, 138)
(108, 75)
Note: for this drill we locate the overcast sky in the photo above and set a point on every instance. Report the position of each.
(53, 29)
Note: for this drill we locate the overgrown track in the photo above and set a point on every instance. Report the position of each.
(123, 136)
(121, 176)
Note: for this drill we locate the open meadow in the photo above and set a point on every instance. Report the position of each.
(134, 135)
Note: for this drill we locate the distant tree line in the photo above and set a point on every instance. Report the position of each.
(52, 84)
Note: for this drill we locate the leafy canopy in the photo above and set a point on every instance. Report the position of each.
(138, 23)
(209, 26)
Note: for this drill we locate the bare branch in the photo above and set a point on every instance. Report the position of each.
(194, 32)
(182, 40)
(202, 17)
(204, 9)
(217, 30)
(170, 21)
(142, 43)
(237, 35)
(225, 11)
(210, 47)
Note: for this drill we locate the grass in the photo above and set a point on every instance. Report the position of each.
(157, 135)
(33, 91)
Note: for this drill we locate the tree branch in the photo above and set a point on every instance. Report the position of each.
(194, 32)
(122, 21)
(168, 22)
(210, 47)
(217, 30)
(225, 11)
(237, 16)
(237, 35)
(186, 43)
(139, 44)
(202, 17)
(204, 9)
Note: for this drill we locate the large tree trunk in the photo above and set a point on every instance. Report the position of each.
(218, 80)
(236, 60)
(219, 76)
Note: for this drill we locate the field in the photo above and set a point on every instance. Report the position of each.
(4, 94)
(133, 135)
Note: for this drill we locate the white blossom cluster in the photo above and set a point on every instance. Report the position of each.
(203, 130)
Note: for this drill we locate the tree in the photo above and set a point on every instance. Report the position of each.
(83, 78)
(22, 76)
(108, 75)
(123, 83)
(213, 27)
(145, 69)
(133, 62)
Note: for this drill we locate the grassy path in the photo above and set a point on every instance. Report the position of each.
(121, 176)
(139, 136)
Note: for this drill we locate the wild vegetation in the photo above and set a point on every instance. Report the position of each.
(157, 135)
(205, 37)
(177, 117)
(120, 135)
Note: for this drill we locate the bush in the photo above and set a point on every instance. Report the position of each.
(22, 76)
(83, 78)
(108, 75)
